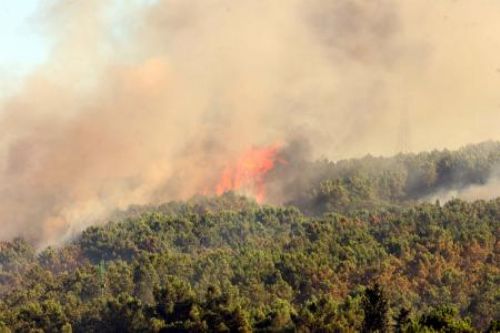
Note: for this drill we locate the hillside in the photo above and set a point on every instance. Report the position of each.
(227, 264)
(316, 187)
(376, 237)
(308, 166)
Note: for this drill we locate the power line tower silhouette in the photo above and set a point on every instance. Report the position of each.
(405, 131)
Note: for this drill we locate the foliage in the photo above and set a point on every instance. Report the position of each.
(376, 308)
(373, 261)
(373, 182)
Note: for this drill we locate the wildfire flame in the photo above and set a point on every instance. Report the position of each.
(248, 173)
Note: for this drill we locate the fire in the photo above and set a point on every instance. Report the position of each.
(248, 173)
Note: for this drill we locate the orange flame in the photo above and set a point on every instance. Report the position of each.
(248, 173)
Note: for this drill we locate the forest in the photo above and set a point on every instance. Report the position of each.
(362, 245)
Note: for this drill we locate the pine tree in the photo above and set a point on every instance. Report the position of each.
(376, 308)
(402, 320)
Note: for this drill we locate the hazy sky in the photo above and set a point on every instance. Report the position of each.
(23, 46)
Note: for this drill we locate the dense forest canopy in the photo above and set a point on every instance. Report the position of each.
(358, 250)
(472, 172)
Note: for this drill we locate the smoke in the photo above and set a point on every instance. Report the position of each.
(490, 189)
(142, 103)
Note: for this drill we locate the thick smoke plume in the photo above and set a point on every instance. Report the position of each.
(142, 103)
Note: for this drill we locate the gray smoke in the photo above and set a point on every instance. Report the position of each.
(146, 103)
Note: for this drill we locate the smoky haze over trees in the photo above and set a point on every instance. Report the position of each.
(369, 254)
(201, 166)
(135, 100)
(470, 173)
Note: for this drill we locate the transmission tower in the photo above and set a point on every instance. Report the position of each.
(405, 132)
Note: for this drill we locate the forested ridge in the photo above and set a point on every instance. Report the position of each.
(321, 186)
(345, 256)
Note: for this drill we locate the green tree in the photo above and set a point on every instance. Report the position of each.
(445, 319)
(376, 310)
